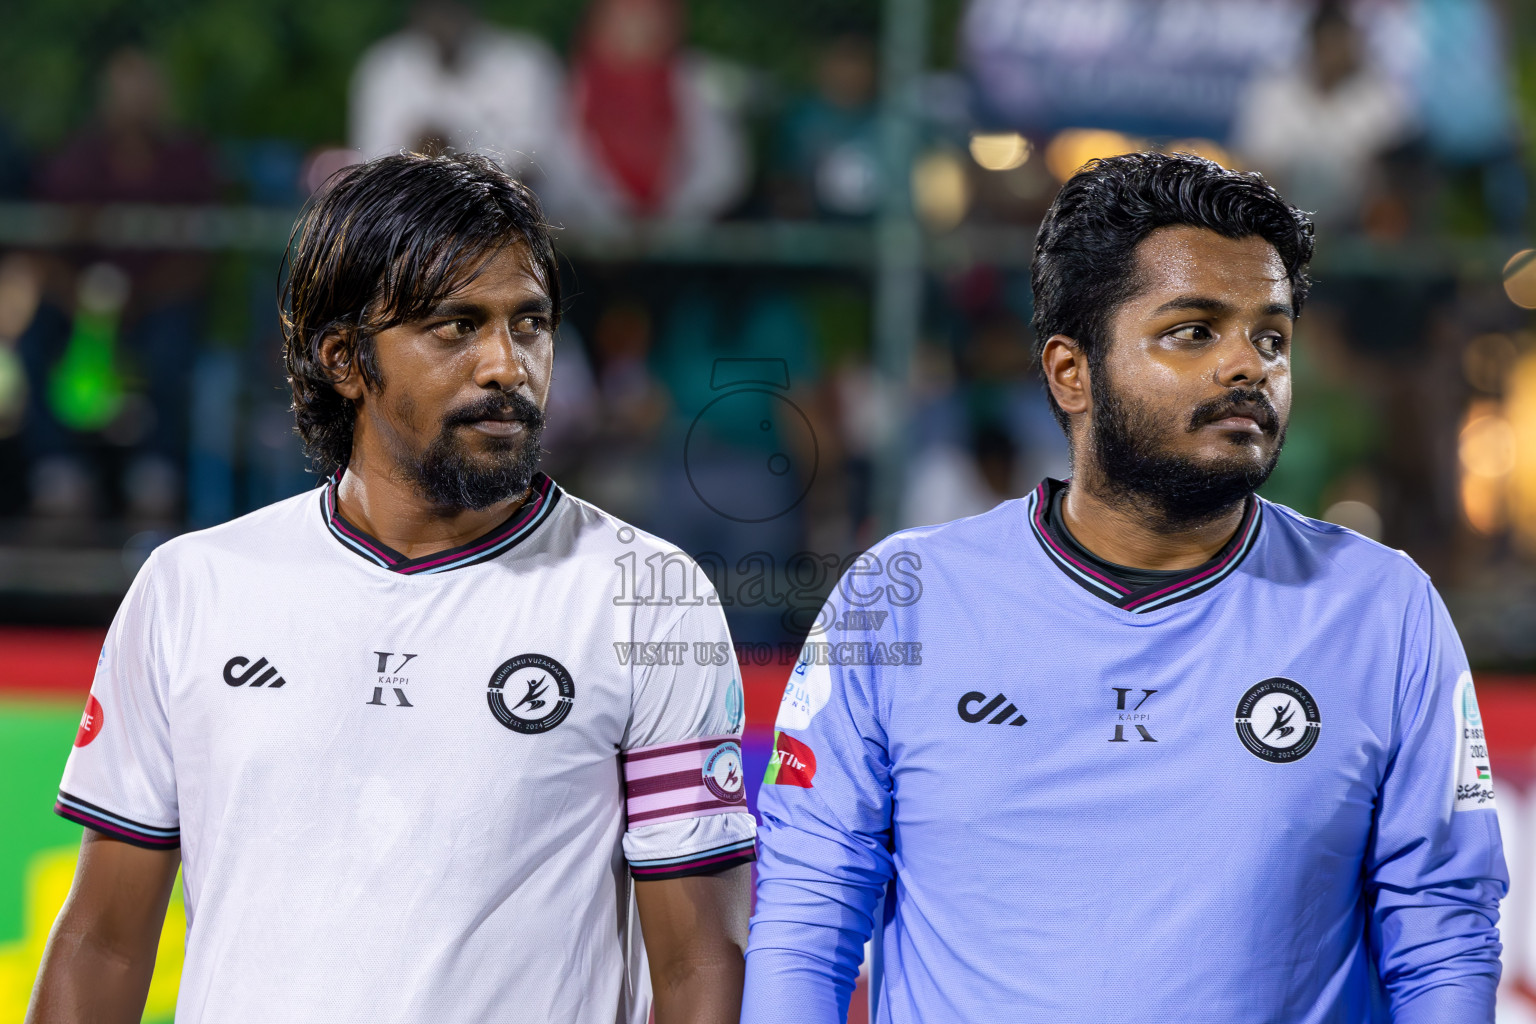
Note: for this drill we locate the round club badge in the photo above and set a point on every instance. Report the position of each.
(531, 693)
(1278, 721)
(722, 773)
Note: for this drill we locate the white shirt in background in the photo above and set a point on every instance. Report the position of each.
(1318, 147)
(503, 98)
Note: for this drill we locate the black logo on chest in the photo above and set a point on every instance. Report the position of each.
(391, 678)
(975, 706)
(1128, 715)
(241, 672)
(531, 693)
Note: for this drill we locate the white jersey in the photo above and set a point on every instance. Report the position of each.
(416, 789)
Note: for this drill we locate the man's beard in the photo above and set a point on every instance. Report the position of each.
(1175, 491)
(450, 476)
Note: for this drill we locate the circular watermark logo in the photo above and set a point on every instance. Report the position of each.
(753, 413)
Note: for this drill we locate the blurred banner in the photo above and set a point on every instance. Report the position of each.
(1153, 67)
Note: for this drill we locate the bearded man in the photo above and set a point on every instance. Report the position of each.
(1173, 752)
(387, 728)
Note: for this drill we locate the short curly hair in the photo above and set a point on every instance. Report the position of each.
(381, 244)
(1084, 266)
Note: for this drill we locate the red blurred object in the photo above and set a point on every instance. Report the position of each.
(764, 686)
(48, 663)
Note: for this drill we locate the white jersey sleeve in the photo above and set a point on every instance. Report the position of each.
(120, 778)
(685, 793)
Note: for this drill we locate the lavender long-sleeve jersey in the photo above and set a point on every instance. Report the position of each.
(1257, 792)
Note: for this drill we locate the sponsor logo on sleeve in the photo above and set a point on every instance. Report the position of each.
(1277, 720)
(807, 692)
(90, 722)
(735, 706)
(1472, 773)
(791, 764)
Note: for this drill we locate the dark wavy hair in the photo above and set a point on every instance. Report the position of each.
(1085, 251)
(380, 244)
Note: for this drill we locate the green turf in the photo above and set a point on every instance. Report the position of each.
(35, 740)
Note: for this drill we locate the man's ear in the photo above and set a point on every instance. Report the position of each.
(1065, 367)
(338, 355)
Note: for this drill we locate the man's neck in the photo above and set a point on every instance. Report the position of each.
(389, 507)
(1114, 528)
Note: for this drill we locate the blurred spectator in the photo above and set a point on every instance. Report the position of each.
(450, 80)
(113, 340)
(947, 482)
(1464, 100)
(572, 408)
(1317, 131)
(620, 470)
(655, 136)
(829, 145)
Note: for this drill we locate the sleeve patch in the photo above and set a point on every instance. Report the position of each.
(792, 764)
(91, 721)
(689, 779)
(807, 692)
(1472, 773)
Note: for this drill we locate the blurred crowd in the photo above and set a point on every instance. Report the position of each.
(106, 357)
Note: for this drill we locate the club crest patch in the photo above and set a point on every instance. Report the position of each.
(723, 773)
(531, 693)
(1277, 720)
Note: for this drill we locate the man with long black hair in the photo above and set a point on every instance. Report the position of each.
(409, 735)
(1172, 752)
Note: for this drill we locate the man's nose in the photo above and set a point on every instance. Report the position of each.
(1239, 363)
(500, 364)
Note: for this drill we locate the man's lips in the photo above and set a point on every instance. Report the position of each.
(1244, 423)
(1245, 416)
(498, 427)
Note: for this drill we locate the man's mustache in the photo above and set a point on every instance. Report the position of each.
(1238, 402)
(498, 406)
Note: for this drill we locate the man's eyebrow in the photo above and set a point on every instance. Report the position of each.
(1216, 307)
(1198, 303)
(467, 307)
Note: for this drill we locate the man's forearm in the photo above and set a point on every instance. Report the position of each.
(83, 980)
(101, 954)
(706, 991)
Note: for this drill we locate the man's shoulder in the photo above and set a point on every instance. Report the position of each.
(592, 535)
(1342, 552)
(972, 535)
(267, 533)
(642, 570)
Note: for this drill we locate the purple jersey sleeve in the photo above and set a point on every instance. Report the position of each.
(1435, 869)
(824, 840)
